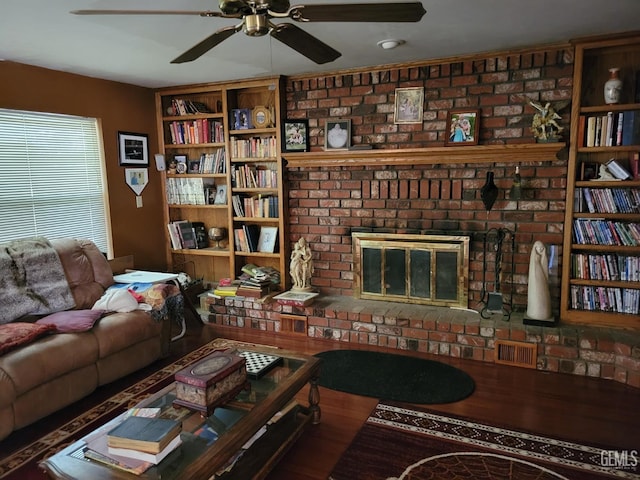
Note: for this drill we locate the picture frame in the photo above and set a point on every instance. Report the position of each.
(242, 119)
(194, 166)
(409, 105)
(133, 149)
(337, 134)
(136, 178)
(296, 135)
(463, 127)
(221, 195)
(267, 239)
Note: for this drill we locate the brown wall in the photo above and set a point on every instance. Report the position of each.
(120, 107)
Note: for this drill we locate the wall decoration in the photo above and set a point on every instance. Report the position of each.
(296, 135)
(133, 149)
(337, 134)
(261, 117)
(409, 105)
(136, 178)
(462, 127)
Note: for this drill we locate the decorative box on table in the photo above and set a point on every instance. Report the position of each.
(211, 382)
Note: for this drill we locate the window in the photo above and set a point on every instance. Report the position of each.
(52, 178)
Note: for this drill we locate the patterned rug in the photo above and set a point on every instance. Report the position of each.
(22, 464)
(398, 443)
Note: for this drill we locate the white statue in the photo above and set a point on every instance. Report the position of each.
(539, 299)
(301, 266)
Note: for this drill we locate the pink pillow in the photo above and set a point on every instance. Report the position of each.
(16, 334)
(72, 320)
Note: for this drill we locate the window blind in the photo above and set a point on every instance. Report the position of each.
(52, 178)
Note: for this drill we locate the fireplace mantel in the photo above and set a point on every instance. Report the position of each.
(510, 153)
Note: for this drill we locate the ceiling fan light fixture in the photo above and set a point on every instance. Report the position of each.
(256, 25)
(390, 43)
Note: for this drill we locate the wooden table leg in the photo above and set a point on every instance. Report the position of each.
(314, 400)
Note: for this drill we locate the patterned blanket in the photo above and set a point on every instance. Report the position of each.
(32, 280)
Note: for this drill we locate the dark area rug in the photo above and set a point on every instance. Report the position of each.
(389, 376)
(398, 443)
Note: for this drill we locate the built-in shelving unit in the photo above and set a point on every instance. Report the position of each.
(223, 126)
(600, 283)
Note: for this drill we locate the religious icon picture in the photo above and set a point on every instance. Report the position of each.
(463, 127)
(409, 105)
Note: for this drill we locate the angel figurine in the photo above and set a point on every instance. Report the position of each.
(545, 127)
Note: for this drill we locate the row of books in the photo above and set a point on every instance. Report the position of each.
(607, 200)
(260, 206)
(212, 162)
(187, 191)
(254, 238)
(610, 267)
(186, 234)
(605, 299)
(605, 232)
(255, 147)
(191, 132)
(180, 106)
(612, 129)
(252, 176)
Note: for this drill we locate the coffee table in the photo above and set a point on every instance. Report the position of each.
(198, 459)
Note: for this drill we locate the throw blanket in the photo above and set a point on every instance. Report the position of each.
(32, 280)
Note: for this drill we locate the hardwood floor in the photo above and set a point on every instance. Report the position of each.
(575, 408)
(572, 407)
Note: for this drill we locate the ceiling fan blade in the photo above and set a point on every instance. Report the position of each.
(207, 44)
(359, 12)
(304, 43)
(206, 13)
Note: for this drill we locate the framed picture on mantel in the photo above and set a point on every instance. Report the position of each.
(463, 127)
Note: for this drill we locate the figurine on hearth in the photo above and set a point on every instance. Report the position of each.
(301, 266)
(539, 298)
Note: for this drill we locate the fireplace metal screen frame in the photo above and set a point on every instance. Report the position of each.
(433, 243)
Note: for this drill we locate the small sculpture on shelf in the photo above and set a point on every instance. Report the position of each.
(301, 266)
(545, 125)
(538, 295)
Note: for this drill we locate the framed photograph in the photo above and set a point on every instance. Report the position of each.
(462, 127)
(337, 134)
(136, 178)
(267, 239)
(221, 195)
(242, 119)
(194, 166)
(409, 105)
(133, 149)
(296, 135)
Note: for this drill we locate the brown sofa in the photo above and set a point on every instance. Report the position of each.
(58, 369)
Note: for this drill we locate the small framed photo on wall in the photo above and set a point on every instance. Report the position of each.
(337, 135)
(463, 127)
(133, 149)
(409, 105)
(296, 135)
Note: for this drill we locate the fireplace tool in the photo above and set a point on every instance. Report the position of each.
(492, 298)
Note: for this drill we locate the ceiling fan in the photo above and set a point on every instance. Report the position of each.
(256, 18)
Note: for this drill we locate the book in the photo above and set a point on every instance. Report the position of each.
(617, 170)
(153, 458)
(151, 435)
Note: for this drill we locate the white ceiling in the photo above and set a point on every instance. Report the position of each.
(138, 49)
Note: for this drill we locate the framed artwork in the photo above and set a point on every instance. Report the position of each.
(221, 195)
(194, 166)
(337, 134)
(136, 178)
(296, 135)
(409, 105)
(462, 127)
(242, 119)
(133, 149)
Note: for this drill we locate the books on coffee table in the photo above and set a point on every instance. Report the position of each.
(153, 458)
(150, 435)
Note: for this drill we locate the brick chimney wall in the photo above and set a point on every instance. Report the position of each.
(326, 203)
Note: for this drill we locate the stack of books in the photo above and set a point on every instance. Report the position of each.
(253, 287)
(146, 439)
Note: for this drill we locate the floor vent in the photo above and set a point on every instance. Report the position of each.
(519, 354)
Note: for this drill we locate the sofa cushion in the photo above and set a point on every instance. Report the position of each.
(118, 331)
(86, 268)
(72, 320)
(48, 358)
(16, 334)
